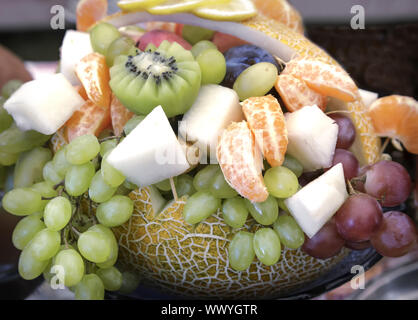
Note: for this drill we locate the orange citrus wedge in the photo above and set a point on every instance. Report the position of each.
(296, 94)
(119, 115)
(326, 79)
(88, 12)
(397, 117)
(81, 91)
(266, 121)
(94, 75)
(241, 161)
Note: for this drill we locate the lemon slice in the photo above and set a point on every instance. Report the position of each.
(176, 6)
(234, 10)
(137, 5)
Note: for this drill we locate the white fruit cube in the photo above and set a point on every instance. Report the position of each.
(312, 137)
(151, 152)
(214, 109)
(368, 97)
(44, 104)
(314, 204)
(76, 45)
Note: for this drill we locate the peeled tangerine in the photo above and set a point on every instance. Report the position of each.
(312, 137)
(314, 204)
(266, 121)
(241, 161)
(44, 104)
(397, 117)
(150, 153)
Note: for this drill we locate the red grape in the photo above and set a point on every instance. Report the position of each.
(349, 162)
(346, 130)
(358, 245)
(358, 218)
(396, 235)
(325, 244)
(389, 182)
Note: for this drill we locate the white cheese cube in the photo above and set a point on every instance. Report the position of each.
(312, 137)
(314, 204)
(214, 109)
(44, 104)
(151, 152)
(75, 46)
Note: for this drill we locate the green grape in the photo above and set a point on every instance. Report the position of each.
(50, 174)
(281, 182)
(115, 211)
(107, 145)
(99, 190)
(165, 184)
(241, 251)
(61, 164)
(290, 234)
(202, 46)
(122, 190)
(266, 74)
(38, 215)
(6, 119)
(72, 264)
(110, 175)
(111, 278)
(102, 35)
(8, 159)
(47, 274)
(235, 212)
(57, 213)
(45, 188)
(122, 45)
(114, 248)
(94, 246)
(267, 246)
(45, 244)
(82, 149)
(129, 185)
(220, 188)
(184, 185)
(29, 267)
(282, 204)
(130, 281)
(78, 179)
(213, 66)
(28, 169)
(22, 201)
(264, 213)
(204, 177)
(13, 140)
(200, 206)
(293, 164)
(25, 230)
(90, 288)
(194, 34)
(10, 87)
(132, 123)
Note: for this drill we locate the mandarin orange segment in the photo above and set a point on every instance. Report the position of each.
(88, 12)
(81, 91)
(397, 117)
(93, 73)
(58, 140)
(90, 119)
(326, 79)
(119, 115)
(241, 161)
(296, 94)
(266, 121)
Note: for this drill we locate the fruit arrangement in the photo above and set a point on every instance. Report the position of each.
(274, 174)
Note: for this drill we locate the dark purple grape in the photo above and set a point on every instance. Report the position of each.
(325, 244)
(358, 245)
(349, 162)
(346, 130)
(307, 177)
(389, 182)
(396, 235)
(241, 57)
(358, 218)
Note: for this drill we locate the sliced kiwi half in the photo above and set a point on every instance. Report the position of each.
(168, 76)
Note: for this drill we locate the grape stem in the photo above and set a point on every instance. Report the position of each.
(55, 187)
(351, 190)
(78, 233)
(122, 135)
(173, 189)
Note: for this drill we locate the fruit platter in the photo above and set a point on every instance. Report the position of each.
(204, 149)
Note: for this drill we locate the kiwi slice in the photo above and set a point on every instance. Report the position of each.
(168, 76)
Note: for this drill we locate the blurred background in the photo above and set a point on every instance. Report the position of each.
(382, 58)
